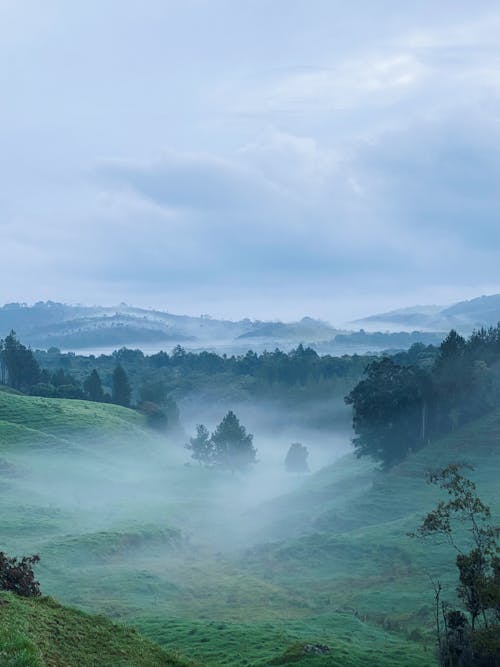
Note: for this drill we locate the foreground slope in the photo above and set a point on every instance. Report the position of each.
(39, 632)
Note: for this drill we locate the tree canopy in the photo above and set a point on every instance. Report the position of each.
(229, 447)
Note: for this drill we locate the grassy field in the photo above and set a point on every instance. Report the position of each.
(125, 529)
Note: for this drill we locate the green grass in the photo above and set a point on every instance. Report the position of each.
(352, 642)
(39, 632)
(125, 530)
(39, 420)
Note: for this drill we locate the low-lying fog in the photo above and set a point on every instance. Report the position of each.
(129, 524)
(105, 484)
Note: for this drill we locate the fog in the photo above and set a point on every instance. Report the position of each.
(135, 504)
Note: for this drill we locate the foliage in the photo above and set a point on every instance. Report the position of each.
(201, 446)
(389, 411)
(93, 387)
(18, 576)
(121, 388)
(472, 639)
(156, 416)
(405, 401)
(18, 366)
(233, 448)
(296, 458)
(229, 447)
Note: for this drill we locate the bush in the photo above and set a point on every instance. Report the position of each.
(18, 576)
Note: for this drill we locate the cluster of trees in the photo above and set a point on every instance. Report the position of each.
(467, 636)
(408, 399)
(229, 447)
(20, 369)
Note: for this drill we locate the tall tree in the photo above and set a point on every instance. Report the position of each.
(19, 364)
(201, 446)
(472, 638)
(121, 391)
(389, 411)
(233, 446)
(93, 387)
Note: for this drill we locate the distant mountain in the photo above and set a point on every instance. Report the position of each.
(50, 324)
(463, 316)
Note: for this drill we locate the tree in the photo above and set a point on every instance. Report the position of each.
(19, 366)
(233, 446)
(121, 391)
(201, 446)
(472, 638)
(390, 411)
(296, 458)
(93, 387)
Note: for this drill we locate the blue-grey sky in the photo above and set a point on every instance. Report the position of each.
(256, 158)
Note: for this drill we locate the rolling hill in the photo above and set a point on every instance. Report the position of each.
(464, 316)
(47, 324)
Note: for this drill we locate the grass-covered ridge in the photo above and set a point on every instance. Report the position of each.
(39, 632)
(41, 419)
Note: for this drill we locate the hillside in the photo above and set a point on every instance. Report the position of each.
(464, 316)
(39, 632)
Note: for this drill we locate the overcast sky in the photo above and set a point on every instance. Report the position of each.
(268, 159)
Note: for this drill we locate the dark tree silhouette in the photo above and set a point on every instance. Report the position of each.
(201, 446)
(93, 387)
(121, 392)
(233, 446)
(19, 367)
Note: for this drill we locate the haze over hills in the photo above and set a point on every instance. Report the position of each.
(464, 316)
(69, 327)
(95, 329)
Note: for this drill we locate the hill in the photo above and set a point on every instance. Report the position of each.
(47, 324)
(39, 632)
(464, 316)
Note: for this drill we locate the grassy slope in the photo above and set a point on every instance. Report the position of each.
(42, 633)
(39, 632)
(49, 418)
(353, 581)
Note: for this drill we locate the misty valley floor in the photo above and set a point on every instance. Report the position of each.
(126, 529)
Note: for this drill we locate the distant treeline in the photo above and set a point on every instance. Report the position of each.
(406, 400)
(400, 339)
(299, 373)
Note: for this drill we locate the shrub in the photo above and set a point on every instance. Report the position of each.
(18, 576)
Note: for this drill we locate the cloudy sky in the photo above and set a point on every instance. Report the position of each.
(262, 158)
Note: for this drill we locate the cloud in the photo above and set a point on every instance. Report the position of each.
(308, 171)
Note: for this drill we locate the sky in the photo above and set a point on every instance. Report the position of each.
(266, 159)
